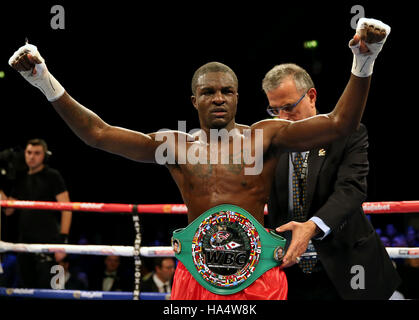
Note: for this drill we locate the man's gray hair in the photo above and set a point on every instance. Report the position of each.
(281, 72)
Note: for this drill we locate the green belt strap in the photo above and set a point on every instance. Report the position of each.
(226, 249)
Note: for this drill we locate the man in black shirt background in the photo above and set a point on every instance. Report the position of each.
(39, 183)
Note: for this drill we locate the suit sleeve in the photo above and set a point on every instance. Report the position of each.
(350, 188)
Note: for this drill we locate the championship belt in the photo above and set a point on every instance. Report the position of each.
(226, 249)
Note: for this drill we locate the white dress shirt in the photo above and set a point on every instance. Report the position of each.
(160, 284)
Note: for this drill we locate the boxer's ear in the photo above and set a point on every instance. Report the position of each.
(193, 99)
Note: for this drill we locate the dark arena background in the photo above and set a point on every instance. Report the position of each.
(132, 63)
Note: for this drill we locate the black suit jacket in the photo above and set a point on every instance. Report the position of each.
(336, 189)
(149, 285)
(122, 282)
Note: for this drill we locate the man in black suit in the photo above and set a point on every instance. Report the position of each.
(345, 258)
(113, 278)
(162, 277)
(73, 280)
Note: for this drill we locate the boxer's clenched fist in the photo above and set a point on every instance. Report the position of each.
(367, 43)
(24, 61)
(32, 67)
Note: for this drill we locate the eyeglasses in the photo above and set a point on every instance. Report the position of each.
(274, 111)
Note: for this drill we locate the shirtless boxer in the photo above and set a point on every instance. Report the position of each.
(204, 186)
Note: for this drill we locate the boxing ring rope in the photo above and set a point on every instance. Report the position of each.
(369, 207)
(128, 251)
(137, 250)
(79, 294)
(100, 250)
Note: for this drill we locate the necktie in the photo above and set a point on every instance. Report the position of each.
(299, 179)
(299, 184)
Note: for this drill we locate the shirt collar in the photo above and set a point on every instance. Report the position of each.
(158, 282)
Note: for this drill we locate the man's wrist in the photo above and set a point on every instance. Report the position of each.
(322, 229)
(314, 229)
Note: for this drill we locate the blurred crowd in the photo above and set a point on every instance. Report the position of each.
(98, 273)
(115, 273)
(391, 237)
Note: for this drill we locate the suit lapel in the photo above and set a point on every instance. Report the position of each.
(316, 158)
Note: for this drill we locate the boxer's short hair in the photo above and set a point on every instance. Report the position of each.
(212, 67)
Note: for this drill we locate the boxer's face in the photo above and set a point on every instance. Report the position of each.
(216, 100)
(34, 156)
(286, 94)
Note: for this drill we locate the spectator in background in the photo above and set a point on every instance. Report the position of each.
(162, 278)
(73, 280)
(39, 183)
(391, 231)
(386, 241)
(409, 272)
(8, 271)
(408, 268)
(412, 237)
(112, 278)
(399, 241)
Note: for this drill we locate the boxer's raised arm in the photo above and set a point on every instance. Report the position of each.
(321, 129)
(85, 124)
(97, 133)
(345, 118)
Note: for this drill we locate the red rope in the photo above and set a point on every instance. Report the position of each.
(369, 207)
(94, 207)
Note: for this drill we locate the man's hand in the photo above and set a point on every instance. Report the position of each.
(32, 67)
(301, 235)
(366, 44)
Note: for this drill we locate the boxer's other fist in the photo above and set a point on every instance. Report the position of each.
(369, 31)
(31, 66)
(26, 58)
(25, 61)
(366, 44)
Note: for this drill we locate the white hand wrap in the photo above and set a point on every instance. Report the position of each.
(363, 63)
(41, 79)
